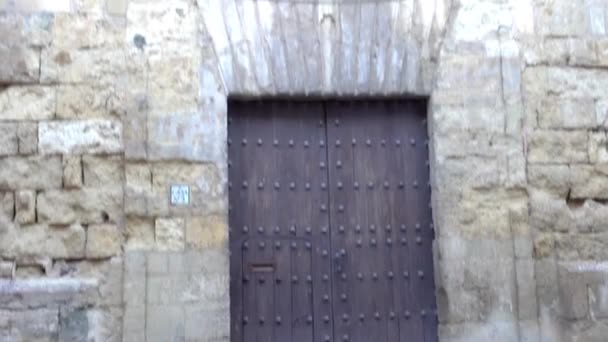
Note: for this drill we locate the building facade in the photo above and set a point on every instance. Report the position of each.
(107, 104)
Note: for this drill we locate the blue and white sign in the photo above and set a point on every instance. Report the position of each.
(180, 195)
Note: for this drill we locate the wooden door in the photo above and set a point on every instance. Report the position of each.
(330, 223)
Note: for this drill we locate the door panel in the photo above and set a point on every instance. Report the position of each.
(330, 201)
(278, 193)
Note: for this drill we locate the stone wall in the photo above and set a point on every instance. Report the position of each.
(106, 103)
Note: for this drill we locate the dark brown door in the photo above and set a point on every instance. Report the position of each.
(331, 232)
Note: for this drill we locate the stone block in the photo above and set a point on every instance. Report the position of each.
(589, 181)
(84, 101)
(566, 82)
(31, 325)
(549, 213)
(74, 325)
(135, 280)
(102, 171)
(72, 172)
(7, 205)
(551, 178)
(27, 103)
(43, 241)
(134, 323)
(558, 147)
(598, 300)
(66, 65)
(207, 231)
(581, 246)
(598, 150)
(554, 113)
(90, 205)
(76, 137)
(35, 173)
(106, 275)
(21, 64)
(170, 233)
(157, 263)
(9, 144)
(25, 206)
(191, 136)
(601, 112)
(75, 31)
(27, 135)
(174, 83)
(526, 289)
(207, 321)
(103, 241)
(140, 233)
(164, 323)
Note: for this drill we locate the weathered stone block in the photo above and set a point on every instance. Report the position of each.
(7, 205)
(207, 321)
(30, 325)
(9, 144)
(192, 136)
(88, 205)
(589, 181)
(81, 32)
(140, 233)
(558, 147)
(575, 113)
(27, 103)
(66, 65)
(21, 64)
(36, 172)
(552, 178)
(83, 101)
(42, 240)
(581, 246)
(135, 280)
(598, 147)
(207, 231)
(173, 83)
(103, 241)
(565, 82)
(164, 323)
(157, 263)
(170, 233)
(25, 206)
(72, 172)
(102, 171)
(27, 135)
(76, 137)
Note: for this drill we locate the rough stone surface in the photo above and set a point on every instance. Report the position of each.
(169, 233)
(103, 241)
(27, 135)
(36, 172)
(27, 103)
(72, 172)
(88, 205)
(9, 144)
(25, 206)
(75, 137)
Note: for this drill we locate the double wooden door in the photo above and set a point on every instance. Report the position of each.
(330, 222)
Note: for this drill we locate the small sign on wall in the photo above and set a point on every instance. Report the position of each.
(180, 194)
